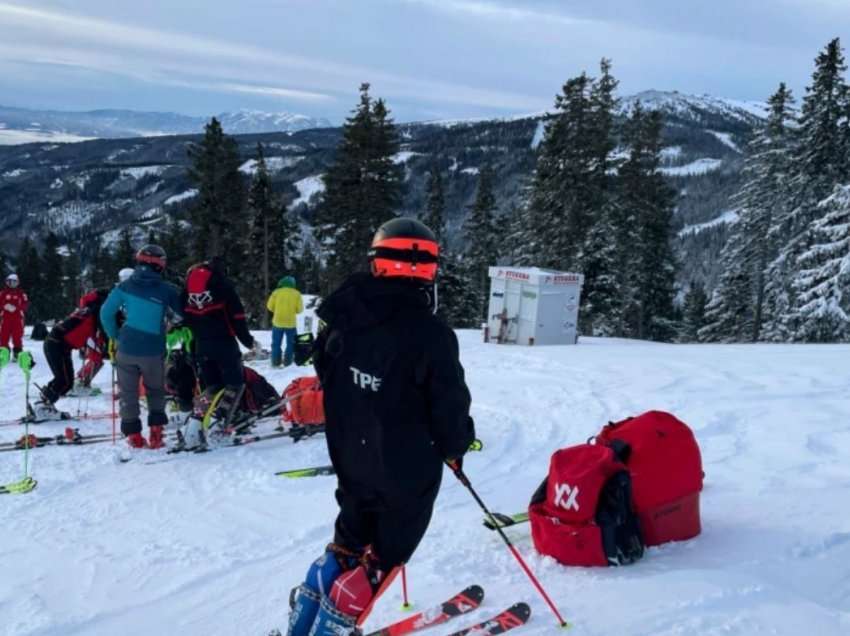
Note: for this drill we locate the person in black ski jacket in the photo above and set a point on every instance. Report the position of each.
(214, 312)
(396, 407)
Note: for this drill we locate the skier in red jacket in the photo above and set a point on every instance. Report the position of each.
(81, 329)
(13, 306)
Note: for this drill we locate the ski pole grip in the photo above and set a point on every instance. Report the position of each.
(458, 471)
(476, 445)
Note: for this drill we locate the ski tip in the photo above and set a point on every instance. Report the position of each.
(475, 592)
(521, 611)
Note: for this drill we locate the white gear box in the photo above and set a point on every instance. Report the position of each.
(533, 306)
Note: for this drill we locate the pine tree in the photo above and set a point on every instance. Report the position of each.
(821, 163)
(53, 272)
(266, 237)
(72, 289)
(362, 188)
(459, 302)
(435, 208)
(823, 282)
(482, 234)
(176, 243)
(124, 253)
(30, 270)
(218, 218)
(645, 259)
(693, 318)
(562, 200)
(102, 270)
(736, 310)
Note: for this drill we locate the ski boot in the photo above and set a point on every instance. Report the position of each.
(136, 441)
(155, 439)
(44, 411)
(306, 599)
(190, 437)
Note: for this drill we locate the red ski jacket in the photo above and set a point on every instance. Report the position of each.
(13, 296)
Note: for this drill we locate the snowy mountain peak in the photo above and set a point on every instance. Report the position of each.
(256, 121)
(691, 106)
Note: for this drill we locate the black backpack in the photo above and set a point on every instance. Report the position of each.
(304, 349)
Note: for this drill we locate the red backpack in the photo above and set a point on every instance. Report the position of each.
(582, 512)
(666, 469)
(304, 402)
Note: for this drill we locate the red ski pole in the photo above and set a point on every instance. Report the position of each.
(406, 603)
(463, 479)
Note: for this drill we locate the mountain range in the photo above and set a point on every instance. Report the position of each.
(87, 192)
(20, 125)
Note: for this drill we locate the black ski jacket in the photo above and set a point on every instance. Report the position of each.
(220, 320)
(396, 402)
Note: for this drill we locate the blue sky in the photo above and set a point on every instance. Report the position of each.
(428, 58)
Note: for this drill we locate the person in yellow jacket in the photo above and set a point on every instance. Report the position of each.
(285, 303)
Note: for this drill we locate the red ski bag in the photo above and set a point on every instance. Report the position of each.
(304, 402)
(666, 469)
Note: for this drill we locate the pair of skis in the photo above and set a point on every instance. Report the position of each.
(71, 437)
(465, 602)
(317, 471)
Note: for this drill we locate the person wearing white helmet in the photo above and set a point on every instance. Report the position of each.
(13, 307)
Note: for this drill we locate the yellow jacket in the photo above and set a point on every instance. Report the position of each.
(285, 303)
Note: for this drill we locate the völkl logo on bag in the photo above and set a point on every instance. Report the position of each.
(566, 497)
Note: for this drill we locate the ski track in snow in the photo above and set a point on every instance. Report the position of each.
(211, 544)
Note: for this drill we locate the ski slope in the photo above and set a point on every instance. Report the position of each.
(207, 545)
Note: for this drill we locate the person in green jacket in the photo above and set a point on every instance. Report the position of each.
(284, 303)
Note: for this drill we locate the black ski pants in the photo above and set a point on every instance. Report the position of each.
(219, 364)
(58, 355)
(393, 531)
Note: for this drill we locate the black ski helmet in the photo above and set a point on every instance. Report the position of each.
(404, 248)
(152, 256)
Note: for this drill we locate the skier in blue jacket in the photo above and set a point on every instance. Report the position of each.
(147, 302)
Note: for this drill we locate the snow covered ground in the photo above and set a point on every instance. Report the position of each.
(211, 544)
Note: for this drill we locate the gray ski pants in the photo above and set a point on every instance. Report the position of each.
(151, 370)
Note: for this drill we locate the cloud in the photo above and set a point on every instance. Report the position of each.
(481, 9)
(172, 58)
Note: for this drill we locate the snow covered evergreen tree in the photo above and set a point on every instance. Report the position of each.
(562, 202)
(459, 302)
(736, 310)
(693, 312)
(644, 259)
(820, 161)
(823, 282)
(362, 188)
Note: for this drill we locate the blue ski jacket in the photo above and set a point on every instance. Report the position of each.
(145, 300)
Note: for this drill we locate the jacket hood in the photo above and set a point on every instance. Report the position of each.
(286, 281)
(144, 275)
(363, 300)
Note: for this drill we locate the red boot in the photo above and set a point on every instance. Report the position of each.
(155, 438)
(135, 440)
